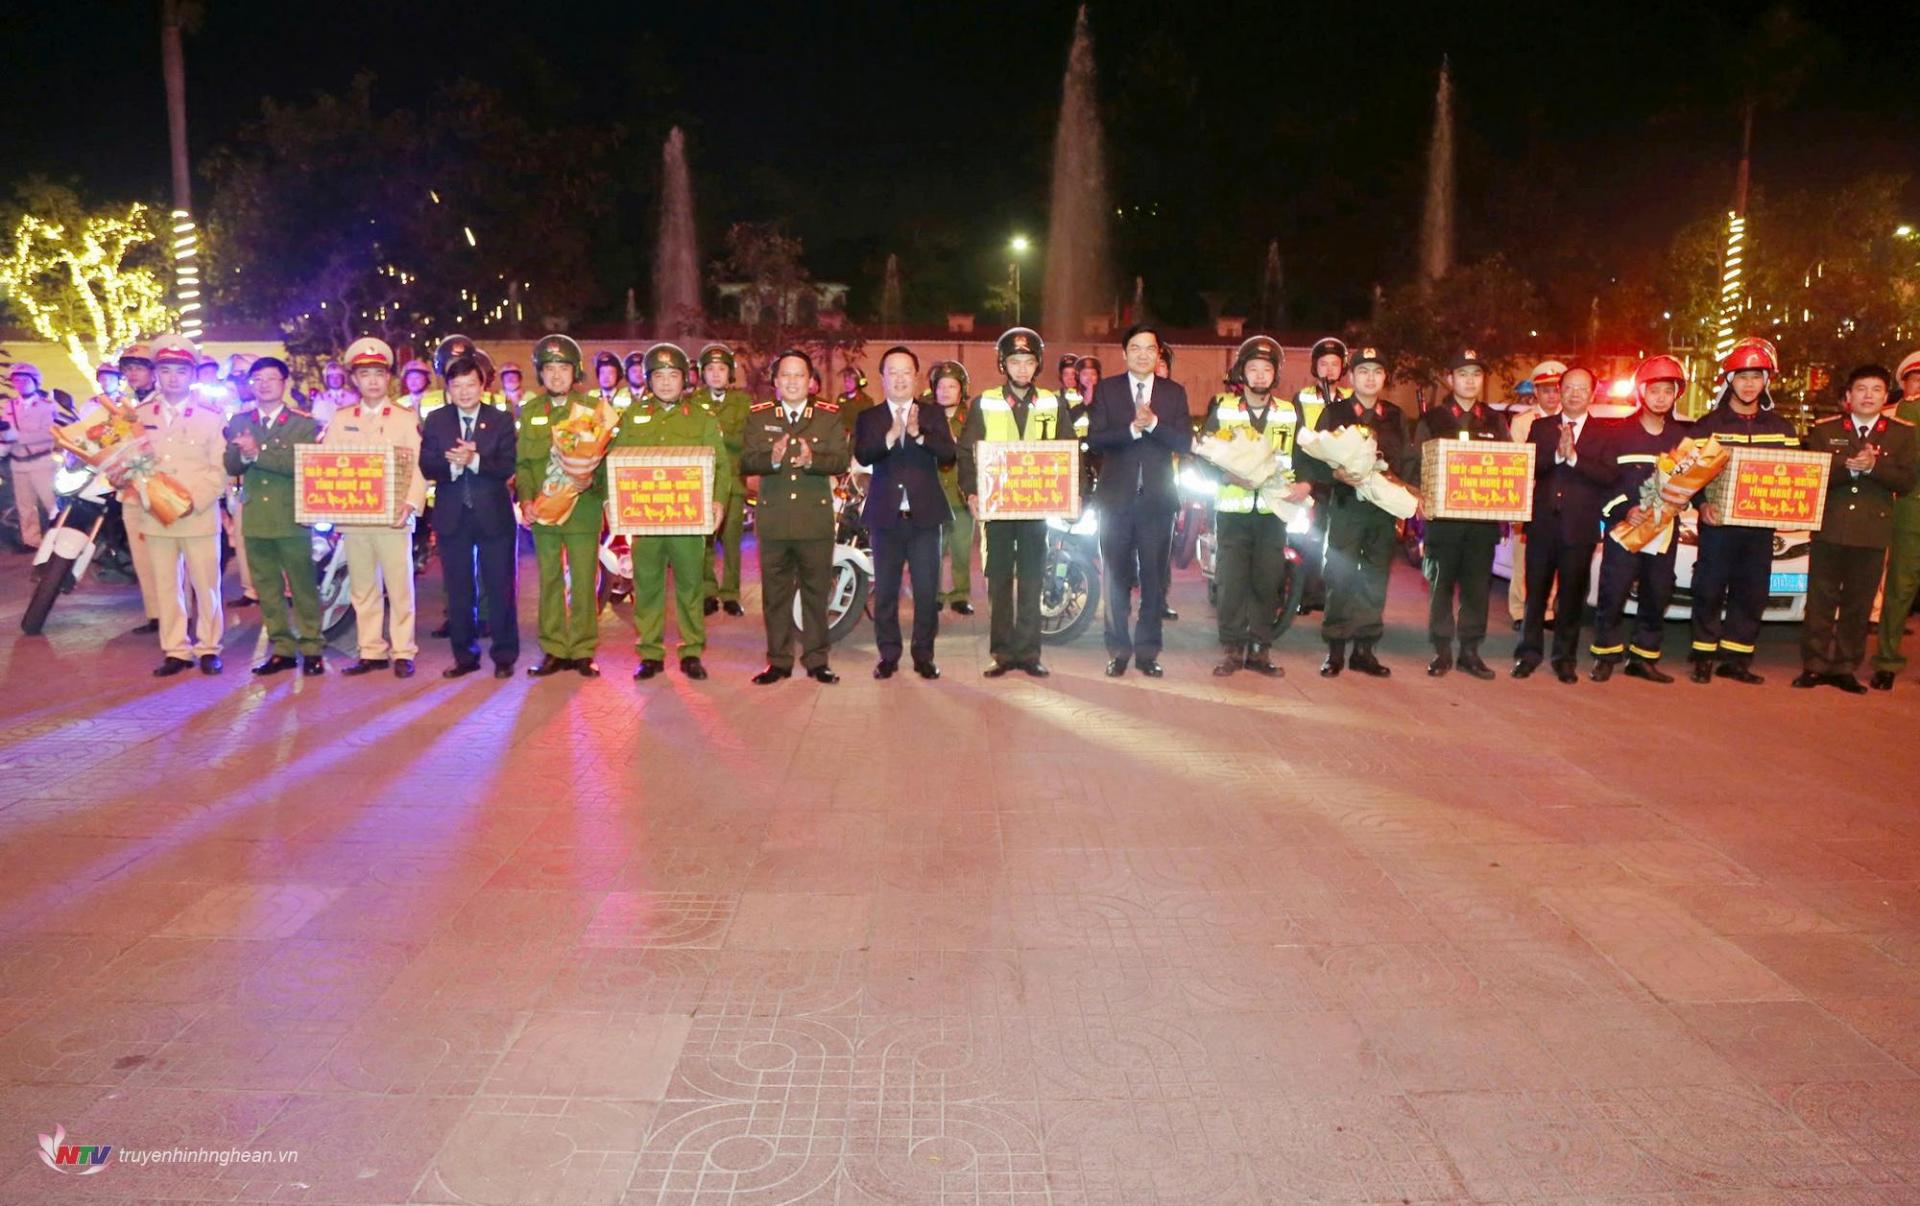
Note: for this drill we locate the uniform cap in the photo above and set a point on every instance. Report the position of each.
(1547, 372)
(1909, 364)
(1466, 358)
(23, 369)
(175, 349)
(368, 352)
(138, 353)
(1367, 355)
(716, 351)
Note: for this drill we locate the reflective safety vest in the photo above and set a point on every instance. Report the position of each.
(1312, 403)
(1043, 416)
(1235, 423)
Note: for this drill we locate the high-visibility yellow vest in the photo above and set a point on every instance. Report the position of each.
(1312, 403)
(1234, 423)
(1043, 416)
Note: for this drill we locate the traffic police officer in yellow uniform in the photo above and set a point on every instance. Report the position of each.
(1903, 554)
(729, 407)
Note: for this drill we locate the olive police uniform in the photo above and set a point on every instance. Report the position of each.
(1645, 576)
(1735, 566)
(1903, 565)
(959, 532)
(1458, 559)
(277, 547)
(1361, 538)
(729, 409)
(1016, 553)
(794, 522)
(568, 553)
(1850, 549)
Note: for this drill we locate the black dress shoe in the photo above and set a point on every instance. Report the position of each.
(648, 667)
(1260, 662)
(146, 629)
(1601, 672)
(504, 670)
(313, 666)
(693, 668)
(1168, 613)
(929, 670)
(997, 670)
(1363, 662)
(1567, 672)
(460, 670)
(1640, 667)
(1806, 680)
(366, 666)
(1336, 659)
(962, 608)
(403, 667)
(443, 632)
(711, 606)
(243, 601)
(1525, 669)
(1701, 670)
(820, 674)
(772, 674)
(1738, 673)
(549, 665)
(279, 663)
(1441, 663)
(586, 667)
(732, 607)
(172, 666)
(1149, 667)
(210, 663)
(1116, 667)
(1882, 680)
(1035, 669)
(1847, 683)
(885, 669)
(1471, 664)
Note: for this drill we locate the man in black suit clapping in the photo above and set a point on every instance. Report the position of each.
(468, 449)
(1137, 422)
(906, 441)
(1573, 469)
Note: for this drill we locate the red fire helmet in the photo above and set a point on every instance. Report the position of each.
(1659, 368)
(1752, 352)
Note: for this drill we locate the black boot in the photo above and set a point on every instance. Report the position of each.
(1336, 659)
(1236, 658)
(1702, 670)
(1441, 663)
(1363, 661)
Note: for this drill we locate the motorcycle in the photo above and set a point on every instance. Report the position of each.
(852, 579)
(87, 533)
(330, 576)
(616, 570)
(1070, 577)
(1195, 515)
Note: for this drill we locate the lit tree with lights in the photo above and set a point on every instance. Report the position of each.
(88, 282)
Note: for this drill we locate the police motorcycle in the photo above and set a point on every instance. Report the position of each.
(88, 532)
(1070, 577)
(852, 583)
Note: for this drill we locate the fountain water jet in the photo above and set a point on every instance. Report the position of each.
(1076, 272)
(676, 261)
(1436, 225)
(890, 294)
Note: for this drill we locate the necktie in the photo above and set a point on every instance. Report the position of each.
(1140, 469)
(466, 474)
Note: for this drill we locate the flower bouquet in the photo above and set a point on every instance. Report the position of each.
(133, 466)
(1677, 476)
(1245, 454)
(106, 424)
(579, 444)
(1353, 449)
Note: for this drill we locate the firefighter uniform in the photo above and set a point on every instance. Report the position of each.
(1361, 538)
(1250, 553)
(1646, 576)
(1458, 561)
(1735, 566)
(795, 523)
(1850, 548)
(1903, 563)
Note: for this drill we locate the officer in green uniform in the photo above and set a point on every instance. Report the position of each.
(260, 444)
(1361, 541)
(665, 419)
(948, 382)
(796, 445)
(854, 397)
(1251, 555)
(1903, 555)
(568, 553)
(729, 407)
(1459, 552)
(1016, 548)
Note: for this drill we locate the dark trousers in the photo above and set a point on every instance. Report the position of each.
(1458, 561)
(1361, 543)
(1250, 558)
(1554, 562)
(1646, 577)
(1312, 544)
(461, 554)
(917, 551)
(1841, 582)
(1730, 580)
(1016, 559)
(1134, 544)
(787, 568)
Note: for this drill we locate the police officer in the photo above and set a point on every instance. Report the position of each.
(610, 380)
(1903, 555)
(1735, 566)
(853, 396)
(796, 445)
(568, 552)
(1328, 361)
(1458, 562)
(416, 379)
(948, 382)
(1873, 461)
(27, 437)
(260, 444)
(635, 364)
(335, 394)
(1250, 558)
(1637, 443)
(664, 418)
(511, 395)
(1016, 548)
(380, 556)
(136, 365)
(1361, 538)
(729, 407)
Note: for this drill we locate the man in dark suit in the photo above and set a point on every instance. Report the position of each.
(907, 442)
(1572, 469)
(468, 450)
(1137, 421)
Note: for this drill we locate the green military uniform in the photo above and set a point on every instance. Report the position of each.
(655, 424)
(850, 407)
(1850, 549)
(276, 545)
(794, 522)
(960, 529)
(568, 553)
(730, 412)
(1903, 567)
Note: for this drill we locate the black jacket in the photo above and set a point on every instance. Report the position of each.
(498, 443)
(1138, 470)
(908, 469)
(1636, 453)
(1567, 498)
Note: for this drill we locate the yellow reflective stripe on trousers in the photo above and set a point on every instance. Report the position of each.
(1736, 646)
(1651, 655)
(1706, 646)
(1605, 650)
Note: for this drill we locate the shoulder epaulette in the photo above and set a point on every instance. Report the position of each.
(757, 407)
(305, 414)
(1828, 419)
(832, 408)
(1901, 421)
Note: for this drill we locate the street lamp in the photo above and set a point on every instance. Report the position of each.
(1019, 248)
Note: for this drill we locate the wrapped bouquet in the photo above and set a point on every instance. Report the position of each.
(1677, 476)
(579, 444)
(1354, 450)
(1242, 452)
(104, 425)
(135, 468)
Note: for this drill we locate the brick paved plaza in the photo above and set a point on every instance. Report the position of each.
(1073, 941)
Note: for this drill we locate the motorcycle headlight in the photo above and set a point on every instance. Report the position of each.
(323, 527)
(68, 480)
(1196, 482)
(1302, 522)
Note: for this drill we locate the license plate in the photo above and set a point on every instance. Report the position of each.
(1787, 584)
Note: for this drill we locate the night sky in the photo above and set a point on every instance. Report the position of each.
(1586, 137)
